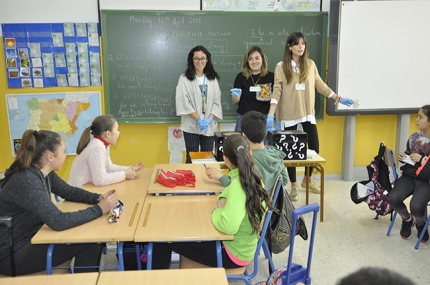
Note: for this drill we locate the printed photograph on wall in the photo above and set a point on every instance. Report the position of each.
(52, 55)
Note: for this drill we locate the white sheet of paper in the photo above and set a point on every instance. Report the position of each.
(407, 159)
(365, 190)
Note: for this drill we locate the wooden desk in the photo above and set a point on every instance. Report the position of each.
(70, 279)
(315, 162)
(178, 218)
(208, 276)
(131, 192)
(137, 187)
(203, 183)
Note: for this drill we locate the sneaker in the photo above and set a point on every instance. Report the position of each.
(420, 230)
(312, 187)
(405, 231)
(294, 194)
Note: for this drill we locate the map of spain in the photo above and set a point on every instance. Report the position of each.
(57, 115)
(67, 114)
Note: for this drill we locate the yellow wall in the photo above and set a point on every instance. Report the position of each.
(148, 142)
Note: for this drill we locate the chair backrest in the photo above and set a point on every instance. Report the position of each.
(390, 161)
(296, 213)
(276, 188)
(263, 225)
(7, 221)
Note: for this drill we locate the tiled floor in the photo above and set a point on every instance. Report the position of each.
(348, 239)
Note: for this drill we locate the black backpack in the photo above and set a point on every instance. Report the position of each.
(280, 229)
(375, 190)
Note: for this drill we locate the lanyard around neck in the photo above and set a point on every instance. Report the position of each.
(203, 92)
(201, 87)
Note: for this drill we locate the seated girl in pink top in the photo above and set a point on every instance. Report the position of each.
(93, 162)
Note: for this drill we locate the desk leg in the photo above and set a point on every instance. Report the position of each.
(307, 184)
(149, 256)
(49, 259)
(218, 253)
(320, 168)
(139, 264)
(120, 252)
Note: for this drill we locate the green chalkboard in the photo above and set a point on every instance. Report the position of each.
(145, 52)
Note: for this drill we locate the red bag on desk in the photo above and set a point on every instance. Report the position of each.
(189, 176)
(165, 180)
(179, 177)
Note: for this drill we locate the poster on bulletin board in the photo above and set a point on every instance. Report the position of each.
(66, 113)
(52, 55)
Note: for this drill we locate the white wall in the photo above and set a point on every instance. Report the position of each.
(79, 11)
(150, 5)
(48, 11)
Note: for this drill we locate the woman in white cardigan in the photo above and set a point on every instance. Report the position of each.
(93, 162)
(198, 101)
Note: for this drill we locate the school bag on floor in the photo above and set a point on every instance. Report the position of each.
(280, 229)
(375, 190)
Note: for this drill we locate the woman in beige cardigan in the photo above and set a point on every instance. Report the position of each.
(296, 78)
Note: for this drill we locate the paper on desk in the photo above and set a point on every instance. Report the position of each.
(311, 153)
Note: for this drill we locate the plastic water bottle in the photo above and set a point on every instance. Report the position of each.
(356, 103)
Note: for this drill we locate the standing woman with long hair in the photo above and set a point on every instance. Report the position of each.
(296, 78)
(198, 101)
(253, 85)
(239, 210)
(26, 197)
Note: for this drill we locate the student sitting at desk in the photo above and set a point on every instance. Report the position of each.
(93, 163)
(26, 197)
(239, 210)
(268, 159)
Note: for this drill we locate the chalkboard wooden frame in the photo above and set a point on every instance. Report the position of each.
(144, 52)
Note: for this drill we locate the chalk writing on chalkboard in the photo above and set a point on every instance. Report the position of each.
(145, 53)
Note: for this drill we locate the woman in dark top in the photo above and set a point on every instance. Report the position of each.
(252, 86)
(26, 197)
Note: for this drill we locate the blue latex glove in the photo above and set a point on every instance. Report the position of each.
(346, 101)
(208, 121)
(278, 126)
(270, 119)
(202, 125)
(235, 92)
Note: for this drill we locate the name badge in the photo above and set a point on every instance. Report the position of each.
(254, 88)
(300, 86)
(202, 116)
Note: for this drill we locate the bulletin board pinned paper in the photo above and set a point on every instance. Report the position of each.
(52, 55)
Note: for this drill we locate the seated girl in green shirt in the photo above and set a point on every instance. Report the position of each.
(239, 210)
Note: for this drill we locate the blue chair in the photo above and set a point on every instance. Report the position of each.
(237, 273)
(420, 238)
(293, 273)
(389, 160)
(247, 277)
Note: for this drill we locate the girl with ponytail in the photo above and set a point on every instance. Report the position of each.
(26, 197)
(239, 210)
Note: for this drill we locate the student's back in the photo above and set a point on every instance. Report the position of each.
(268, 160)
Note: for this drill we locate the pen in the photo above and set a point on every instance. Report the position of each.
(204, 165)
